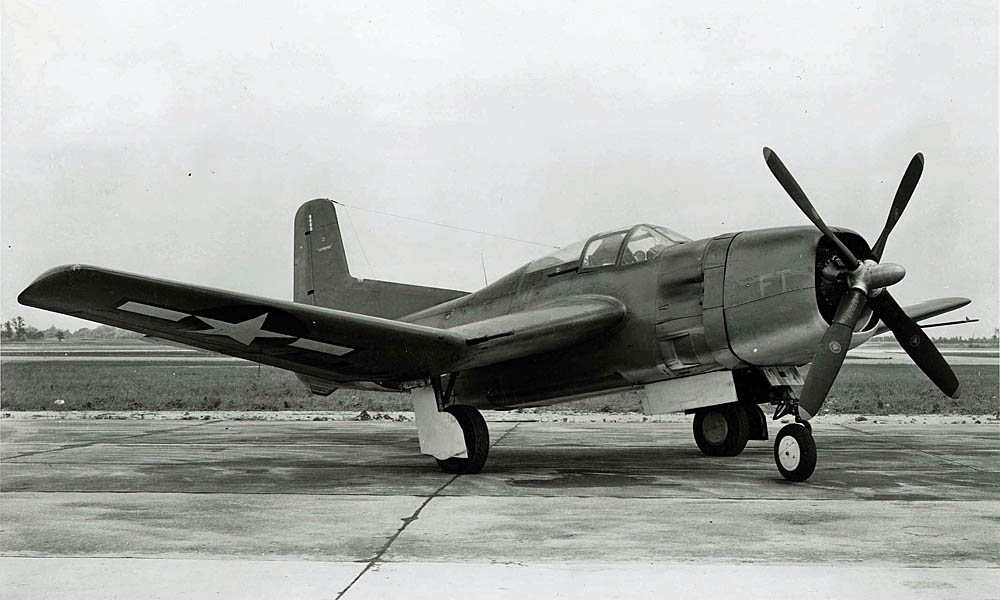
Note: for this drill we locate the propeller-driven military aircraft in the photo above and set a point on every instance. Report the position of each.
(714, 327)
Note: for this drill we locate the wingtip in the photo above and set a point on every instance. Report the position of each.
(53, 279)
(953, 302)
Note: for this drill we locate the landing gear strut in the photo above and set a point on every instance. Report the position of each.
(722, 430)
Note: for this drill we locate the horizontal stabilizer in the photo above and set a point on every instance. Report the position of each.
(322, 276)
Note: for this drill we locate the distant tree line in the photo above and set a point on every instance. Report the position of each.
(17, 330)
(955, 339)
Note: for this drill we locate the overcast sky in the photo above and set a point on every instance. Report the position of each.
(177, 139)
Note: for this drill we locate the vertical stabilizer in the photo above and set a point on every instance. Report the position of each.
(320, 261)
(323, 277)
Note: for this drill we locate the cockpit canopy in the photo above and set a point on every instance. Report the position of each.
(623, 247)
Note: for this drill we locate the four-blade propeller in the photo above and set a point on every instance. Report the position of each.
(867, 281)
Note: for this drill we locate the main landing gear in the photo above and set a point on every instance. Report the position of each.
(454, 434)
(477, 441)
(725, 429)
(722, 430)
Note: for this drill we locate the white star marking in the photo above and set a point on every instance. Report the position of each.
(244, 332)
(156, 312)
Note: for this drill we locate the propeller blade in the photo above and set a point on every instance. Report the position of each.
(903, 194)
(916, 343)
(830, 355)
(799, 197)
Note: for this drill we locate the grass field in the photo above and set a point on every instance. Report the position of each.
(100, 386)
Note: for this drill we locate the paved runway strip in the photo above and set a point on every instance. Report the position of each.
(310, 509)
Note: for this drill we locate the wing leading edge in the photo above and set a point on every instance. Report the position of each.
(334, 345)
(927, 309)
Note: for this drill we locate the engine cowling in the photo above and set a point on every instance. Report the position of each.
(779, 295)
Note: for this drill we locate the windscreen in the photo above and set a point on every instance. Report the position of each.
(563, 256)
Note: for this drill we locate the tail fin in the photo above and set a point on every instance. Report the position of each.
(320, 261)
(323, 277)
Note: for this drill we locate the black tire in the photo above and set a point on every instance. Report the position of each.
(477, 441)
(758, 422)
(722, 430)
(795, 452)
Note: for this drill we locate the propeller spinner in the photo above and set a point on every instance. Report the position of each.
(867, 281)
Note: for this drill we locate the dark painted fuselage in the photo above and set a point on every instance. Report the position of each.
(732, 301)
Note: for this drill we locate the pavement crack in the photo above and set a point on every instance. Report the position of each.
(385, 547)
(116, 440)
(920, 450)
(505, 434)
(406, 523)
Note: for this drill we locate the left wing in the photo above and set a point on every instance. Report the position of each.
(334, 345)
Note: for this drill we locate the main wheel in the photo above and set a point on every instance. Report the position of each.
(722, 430)
(477, 441)
(795, 452)
(758, 422)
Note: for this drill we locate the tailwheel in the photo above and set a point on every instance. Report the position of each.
(722, 430)
(795, 452)
(477, 441)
